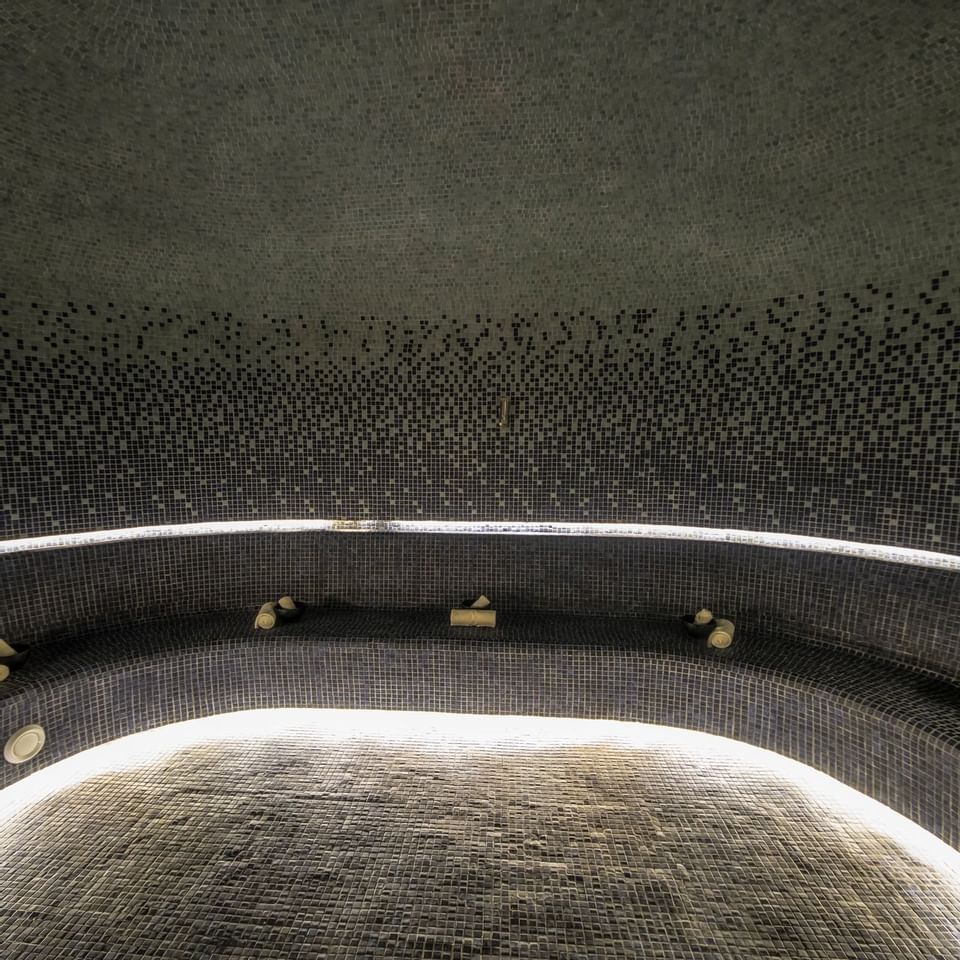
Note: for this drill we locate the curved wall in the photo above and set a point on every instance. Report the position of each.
(285, 264)
(265, 266)
(829, 414)
(891, 611)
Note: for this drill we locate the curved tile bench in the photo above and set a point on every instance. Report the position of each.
(896, 611)
(892, 733)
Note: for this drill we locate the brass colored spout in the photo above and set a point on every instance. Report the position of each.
(504, 422)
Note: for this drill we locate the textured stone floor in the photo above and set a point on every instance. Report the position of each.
(426, 838)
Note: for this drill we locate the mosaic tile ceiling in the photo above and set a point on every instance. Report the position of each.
(408, 836)
(391, 157)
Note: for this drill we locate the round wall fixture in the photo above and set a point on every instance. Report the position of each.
(25, 744)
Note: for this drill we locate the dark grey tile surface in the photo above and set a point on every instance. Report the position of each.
(900, 613)
(460, 156)
(830, 414)
(283, 263)
(889, 733)
(314, 842)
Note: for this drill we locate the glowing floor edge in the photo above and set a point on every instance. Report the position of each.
(457, 733)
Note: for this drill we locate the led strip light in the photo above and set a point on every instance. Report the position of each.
(646, 531)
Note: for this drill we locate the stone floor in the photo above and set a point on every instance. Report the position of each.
(308, 834)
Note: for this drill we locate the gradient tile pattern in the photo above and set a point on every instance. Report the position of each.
(825, 413)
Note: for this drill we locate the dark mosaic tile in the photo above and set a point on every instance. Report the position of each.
(807, 417)
(464, 156)
(892, 611)
(284, 264)
(892, 734)
(309, 842)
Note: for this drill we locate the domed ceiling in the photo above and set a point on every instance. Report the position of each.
(388, 157)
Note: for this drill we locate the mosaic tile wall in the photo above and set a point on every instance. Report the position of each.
(889, 734)
(831, 414)
(899, 613)
(283, 262)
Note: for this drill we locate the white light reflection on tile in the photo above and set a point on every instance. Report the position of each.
(457, 733)
(648, 531)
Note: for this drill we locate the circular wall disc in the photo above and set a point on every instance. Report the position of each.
(25, 744)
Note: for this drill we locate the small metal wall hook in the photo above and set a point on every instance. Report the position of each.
(504, 422)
